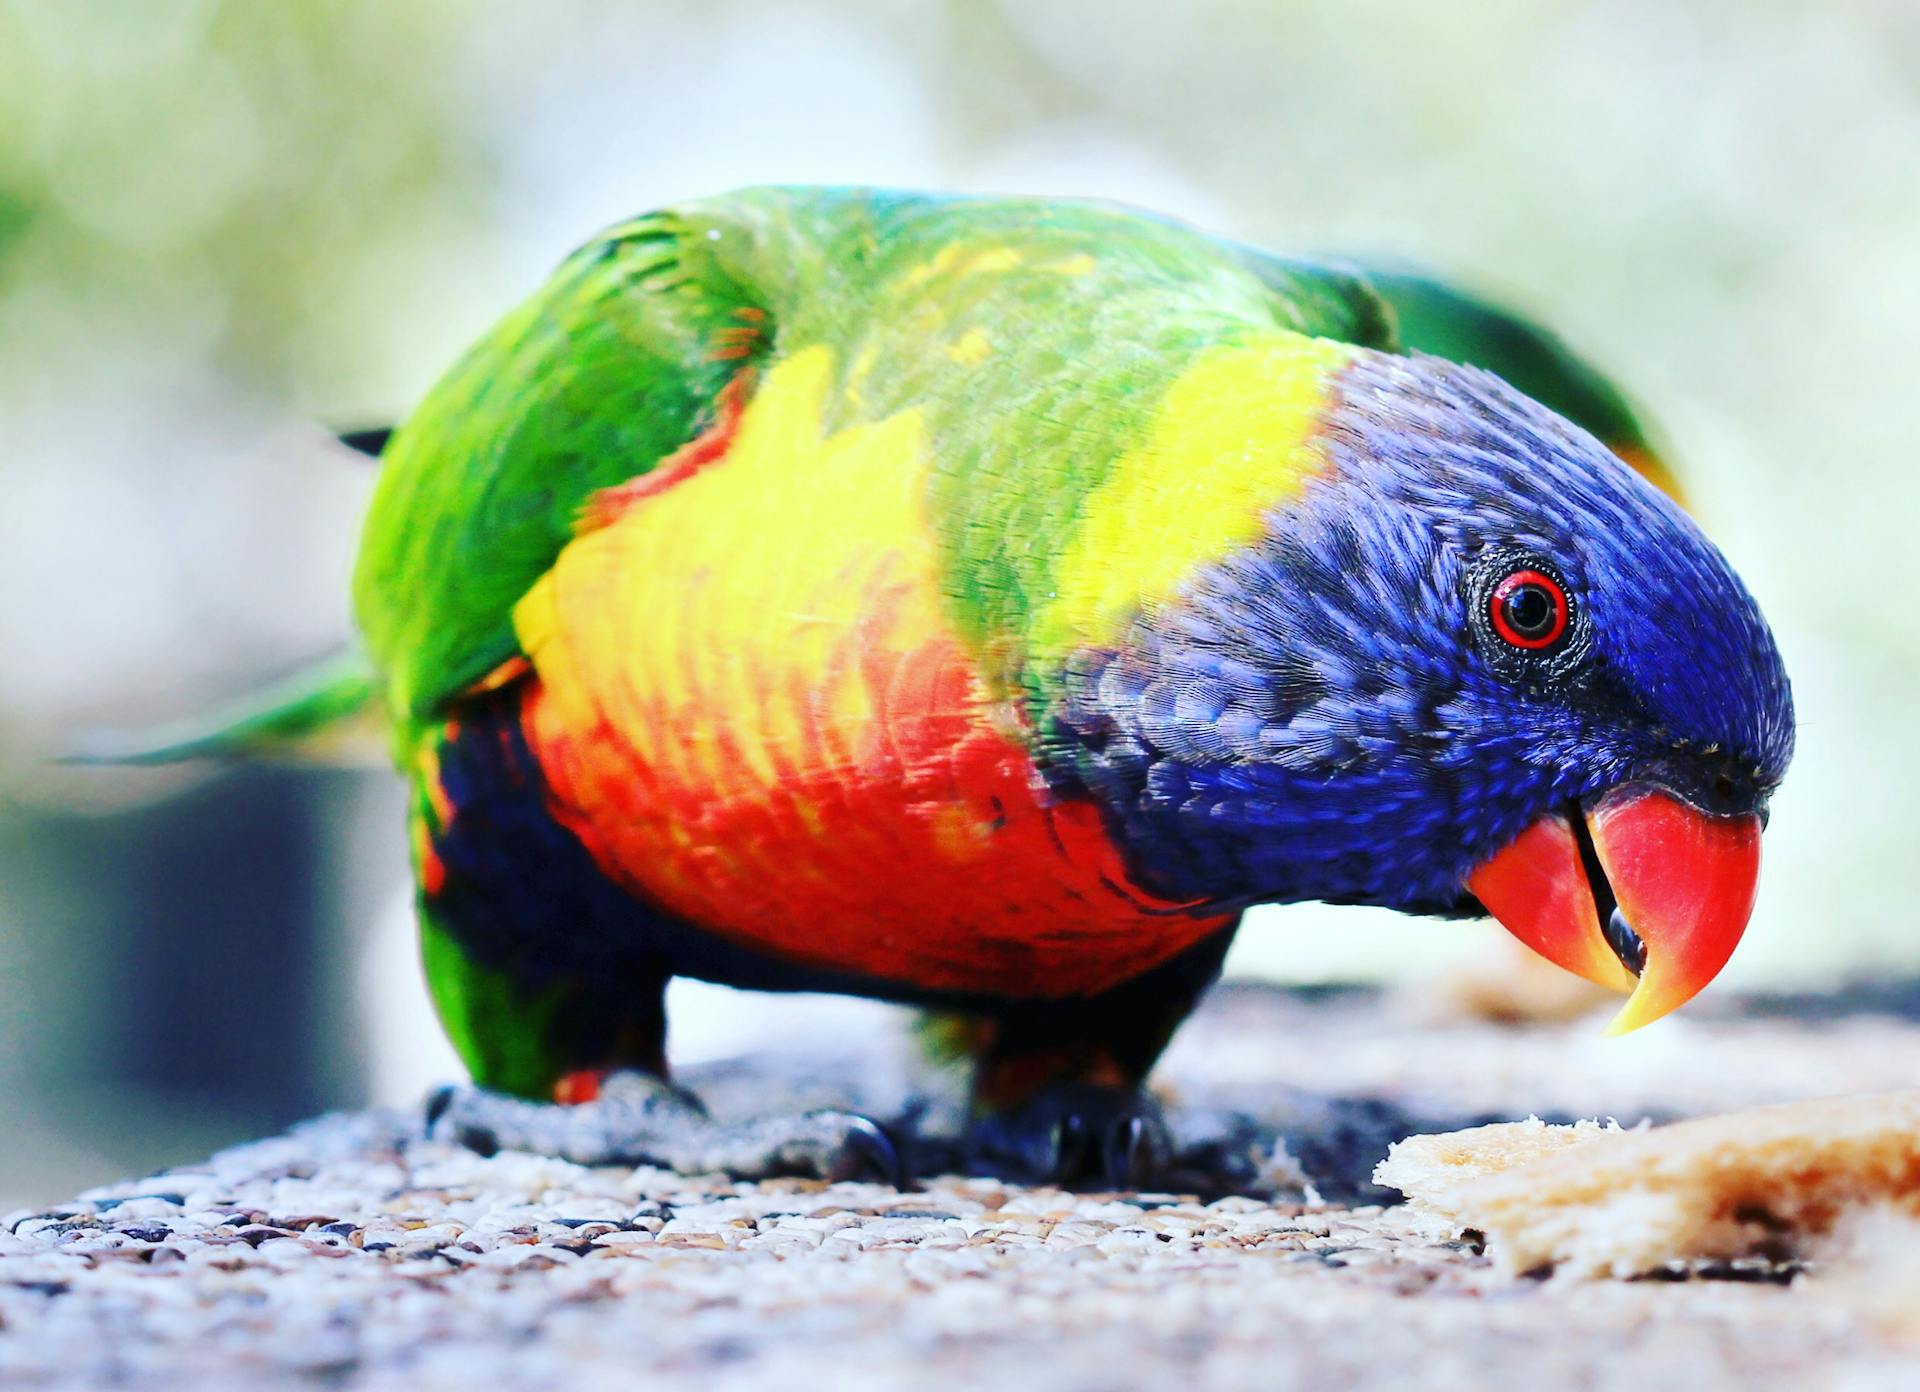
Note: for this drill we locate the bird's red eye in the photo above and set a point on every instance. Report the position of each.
(1529, 610)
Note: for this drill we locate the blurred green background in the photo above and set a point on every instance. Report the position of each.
(224, 225)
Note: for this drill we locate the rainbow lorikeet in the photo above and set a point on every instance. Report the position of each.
(980, 602)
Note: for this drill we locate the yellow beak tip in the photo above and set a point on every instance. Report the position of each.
(1640, 1011)
(1623, 1023)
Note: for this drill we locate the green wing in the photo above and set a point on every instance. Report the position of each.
(607, 369)
(1436, 318)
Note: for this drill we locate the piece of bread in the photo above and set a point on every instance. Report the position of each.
(1434, 1172)
(1599, 1200)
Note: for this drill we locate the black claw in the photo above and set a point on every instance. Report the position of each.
(1135, 1152)
(1072, 1135)
(481, 1140)
(1067, 1143)
(1121, 1154)
(867, 1151)
(438, 1101)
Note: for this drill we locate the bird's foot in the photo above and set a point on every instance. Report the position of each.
(1075, 1133)
(635, 1118)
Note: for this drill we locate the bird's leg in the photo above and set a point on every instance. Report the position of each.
(634, 1117)
(1058, 1091)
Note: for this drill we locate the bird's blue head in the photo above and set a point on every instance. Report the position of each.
(1476, 664)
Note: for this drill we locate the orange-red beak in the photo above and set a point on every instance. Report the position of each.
(1642, 893)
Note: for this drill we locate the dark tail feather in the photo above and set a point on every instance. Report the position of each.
(371, 442)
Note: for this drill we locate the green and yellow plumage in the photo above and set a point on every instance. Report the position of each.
(971, 311)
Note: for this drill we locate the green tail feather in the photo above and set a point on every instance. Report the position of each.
(312, 714)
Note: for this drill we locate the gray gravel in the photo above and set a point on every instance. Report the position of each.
(349, 1252)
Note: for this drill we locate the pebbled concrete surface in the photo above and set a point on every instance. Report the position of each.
(350, 1253)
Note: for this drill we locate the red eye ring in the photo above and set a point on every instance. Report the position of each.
(1516, 611)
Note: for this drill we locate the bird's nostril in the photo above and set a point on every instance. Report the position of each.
(1723, 785)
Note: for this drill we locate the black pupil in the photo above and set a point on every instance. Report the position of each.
(1530, 610)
